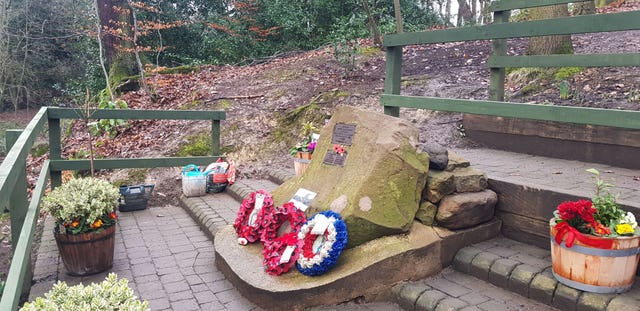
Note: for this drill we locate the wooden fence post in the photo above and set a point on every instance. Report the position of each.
(393, 77)
(499, 47)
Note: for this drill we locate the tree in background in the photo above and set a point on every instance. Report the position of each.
(546, 45)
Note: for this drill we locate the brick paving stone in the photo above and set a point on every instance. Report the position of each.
(220, 286)
(159, 304)
(500, 272)
(228, 295)
(176, 287)
(185, 305)
(451, 304)
(429, 300)
(543, 286)
(565, 298)
(474, 298)
(594, 302)
(212, 306)
(450, 288)
(183, 295)
(205, 296)
(462, 260)
(408, 294)
(521, 277)
(481, 264)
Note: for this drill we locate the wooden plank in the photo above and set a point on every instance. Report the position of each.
(393, 76)
(8, 169)
(558, 26)
(526, 230)
(524, 4)
(606, 117)
(61, 165)
(11, 136)
(134, 114)
(215, 137)
(564, 131)
(499, 47)
(22, 252)
(574, 60)
(55, 149)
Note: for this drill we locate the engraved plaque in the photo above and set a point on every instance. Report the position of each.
(343, 134)
(332, 158)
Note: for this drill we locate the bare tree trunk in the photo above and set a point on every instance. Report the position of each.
(549, 44)
(101, 55)
(584, 8)
(373, 25)
(464, 13)
(4, 48)
(116, 21)
(398, 12)
(474, 10)
(447, 13)
(135, 47)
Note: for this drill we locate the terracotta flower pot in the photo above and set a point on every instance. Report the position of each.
(86, 253)
(594, 269)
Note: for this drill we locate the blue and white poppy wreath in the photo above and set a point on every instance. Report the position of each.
(321, 247)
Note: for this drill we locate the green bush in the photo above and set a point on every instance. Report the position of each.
(111, 294)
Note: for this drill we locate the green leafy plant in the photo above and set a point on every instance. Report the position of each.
(308, 144)
(565, 90)
(82, 205)
(608, 212)
(601, 216)
(108, 126)
(345, 54)
(197, 145)
(111, 294)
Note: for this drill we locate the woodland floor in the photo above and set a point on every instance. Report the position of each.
(267, 103)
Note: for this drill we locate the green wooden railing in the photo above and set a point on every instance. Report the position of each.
(498, 32)
(13, 182)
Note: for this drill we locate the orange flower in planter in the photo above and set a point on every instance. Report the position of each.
(97, 224)
(75, 224)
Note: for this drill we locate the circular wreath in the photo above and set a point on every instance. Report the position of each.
(287, 213)
(274, 246)
(274, 250)
(248, 224)
(320, 252)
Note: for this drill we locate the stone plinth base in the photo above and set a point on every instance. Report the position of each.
(368, 270)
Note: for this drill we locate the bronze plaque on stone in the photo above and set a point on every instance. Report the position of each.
(332, 158)
(343, 134)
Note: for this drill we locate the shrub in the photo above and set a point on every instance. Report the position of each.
(111, 294)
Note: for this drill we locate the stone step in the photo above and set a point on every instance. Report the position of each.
(523, 269)
(530, 187)
(454, 290)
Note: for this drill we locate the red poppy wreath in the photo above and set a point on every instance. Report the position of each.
(248, 223)
(280, 253)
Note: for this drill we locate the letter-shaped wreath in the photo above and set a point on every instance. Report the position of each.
(248, 223)
(320, 252)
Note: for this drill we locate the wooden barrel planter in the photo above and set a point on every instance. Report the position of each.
(301, 162)
(593, 269)
(86, 253)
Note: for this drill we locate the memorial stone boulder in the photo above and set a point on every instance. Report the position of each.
(367, 168)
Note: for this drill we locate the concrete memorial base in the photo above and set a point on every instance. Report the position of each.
(368, 270)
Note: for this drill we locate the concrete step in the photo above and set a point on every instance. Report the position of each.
(489, 268)
(530, 187)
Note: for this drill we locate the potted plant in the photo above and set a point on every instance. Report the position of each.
(303, 150)
(595, 244)
(84, 211)
(112, 294)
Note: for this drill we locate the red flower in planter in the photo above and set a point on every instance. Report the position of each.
(113, 215)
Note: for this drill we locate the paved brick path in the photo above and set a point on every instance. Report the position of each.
(165, 256)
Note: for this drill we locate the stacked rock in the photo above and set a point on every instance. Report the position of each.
(455, 197)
